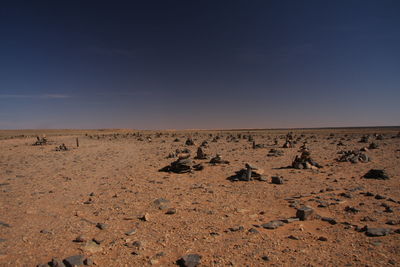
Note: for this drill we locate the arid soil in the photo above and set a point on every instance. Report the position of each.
(99, 199)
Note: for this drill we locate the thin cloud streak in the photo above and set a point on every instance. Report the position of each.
(41, 96)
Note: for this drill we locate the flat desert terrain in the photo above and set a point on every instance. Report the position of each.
(108, 201)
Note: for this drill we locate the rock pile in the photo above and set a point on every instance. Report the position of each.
(40, 141)
(182, 165)
(249, 173)
(189, 142)
(201, 154)
(257, 145)
(218, 160)
(304, 161)
(353, 156)
(62, 147)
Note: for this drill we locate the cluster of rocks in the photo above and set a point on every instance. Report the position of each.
(249, 173)
(353, 156)
(257, 145)
(72, 261)
(179, 153)
(305, 161)
(40, 141)
(189, 142)
(302, 214)
(62, 147)
(182, 165)
(274, 153)
(218, 160)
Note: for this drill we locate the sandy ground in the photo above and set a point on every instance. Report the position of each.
(49, 198)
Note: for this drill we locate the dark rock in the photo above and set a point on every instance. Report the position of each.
(76, 260)
(265, 258)
(304, 213)
(102, 226)
(190, 260)
(277, 180)
(4, 224)
(55, 262)
(351, 209)
(272, 224)
(171, 211)
(322, 238)
(329, 220)
(373, 232)
(376, 174)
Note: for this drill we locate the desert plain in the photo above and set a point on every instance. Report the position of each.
(106, 202)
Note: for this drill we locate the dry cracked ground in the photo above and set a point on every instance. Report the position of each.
(106, 203)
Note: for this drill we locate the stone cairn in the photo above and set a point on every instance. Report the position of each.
(201, 154)
(62, 147)
(182, 165)
(218, 160)
(40, 141)
(305, 161)
(353, 156)
(289, 143)
(189, 142)
(249, 173)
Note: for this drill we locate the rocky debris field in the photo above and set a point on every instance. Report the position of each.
(322, 197)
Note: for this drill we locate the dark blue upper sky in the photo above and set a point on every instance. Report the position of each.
(199, 64)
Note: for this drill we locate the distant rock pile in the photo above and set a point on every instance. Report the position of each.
(353, 156)
(182, 165)
(201, 154)
(62, 147)
(189, 142)
(249, 173)
(218, 160)
(305, 161)
(40, 141)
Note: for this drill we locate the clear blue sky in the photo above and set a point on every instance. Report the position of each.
(199, 64)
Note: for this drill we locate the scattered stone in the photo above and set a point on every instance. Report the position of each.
(329, 220)
(55, 262)
(272, 224)
(293, 237)
(75, 260)
(351, 209)
(373, 232)
(130, 232)
(92, 247)
(322, 238)
(304, 213)
(102, 226)
(190, 260)
(171, 211)
(253, 231)
(80, 239)
(145, 217)
(4, 224)
(236, 228)
(40, 141)
(277, 180)
(265, 258)
(376, 174)
(290, 220)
